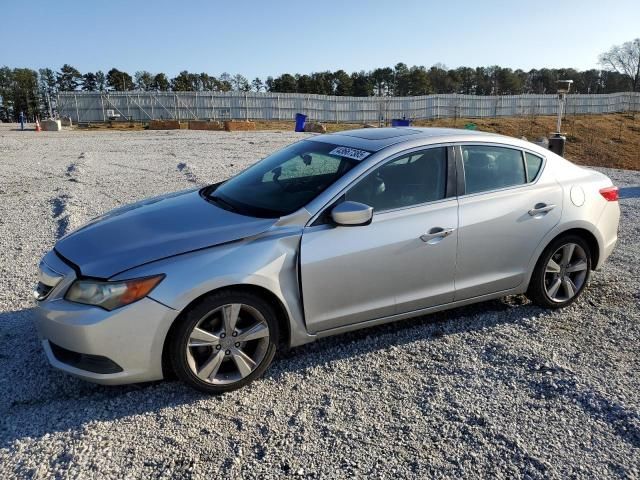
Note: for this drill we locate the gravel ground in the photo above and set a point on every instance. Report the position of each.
(501, 389)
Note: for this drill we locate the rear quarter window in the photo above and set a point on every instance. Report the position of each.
(534, 163)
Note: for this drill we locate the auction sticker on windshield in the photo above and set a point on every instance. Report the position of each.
(352, 153)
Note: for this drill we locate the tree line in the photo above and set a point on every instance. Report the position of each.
(34, 92)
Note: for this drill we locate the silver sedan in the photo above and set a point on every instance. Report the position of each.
(333, 233)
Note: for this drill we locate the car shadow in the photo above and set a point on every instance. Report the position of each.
(427, 327)
(31, 386)
(63, 403)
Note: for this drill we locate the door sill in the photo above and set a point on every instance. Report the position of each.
(415, 313)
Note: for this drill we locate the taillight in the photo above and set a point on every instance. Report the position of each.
(610, 194)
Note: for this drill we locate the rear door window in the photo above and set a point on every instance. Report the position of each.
(490, 168)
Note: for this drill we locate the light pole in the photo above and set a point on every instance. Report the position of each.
(557, 141)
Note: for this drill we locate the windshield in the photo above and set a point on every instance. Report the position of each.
(287, 180)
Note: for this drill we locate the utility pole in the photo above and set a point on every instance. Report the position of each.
(558, 141)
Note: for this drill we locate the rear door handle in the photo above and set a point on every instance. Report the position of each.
(541, 208)
(437, 232)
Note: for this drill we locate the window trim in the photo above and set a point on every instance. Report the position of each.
(451, 184)
(462, 188)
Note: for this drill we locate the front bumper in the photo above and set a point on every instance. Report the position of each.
(131, 337)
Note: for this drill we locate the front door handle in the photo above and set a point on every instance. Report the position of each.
(437, 232)
(541, 208)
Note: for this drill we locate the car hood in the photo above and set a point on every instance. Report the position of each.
(153, 229)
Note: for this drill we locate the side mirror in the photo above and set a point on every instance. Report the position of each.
(352, 214)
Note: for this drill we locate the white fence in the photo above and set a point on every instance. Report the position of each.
(143, 106)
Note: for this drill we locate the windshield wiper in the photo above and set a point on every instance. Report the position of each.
(219, 200)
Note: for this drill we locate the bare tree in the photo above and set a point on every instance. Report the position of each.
(624, 59)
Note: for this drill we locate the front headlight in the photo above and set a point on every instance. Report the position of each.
(111, 295)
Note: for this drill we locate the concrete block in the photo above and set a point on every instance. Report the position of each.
(51, 125)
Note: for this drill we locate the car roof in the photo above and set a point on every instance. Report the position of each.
(375, 139)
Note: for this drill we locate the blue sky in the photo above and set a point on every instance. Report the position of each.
(261, 38)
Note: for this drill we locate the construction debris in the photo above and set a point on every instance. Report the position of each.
(314, 127)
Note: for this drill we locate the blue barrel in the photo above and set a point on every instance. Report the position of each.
(300, 119)
(400, 122)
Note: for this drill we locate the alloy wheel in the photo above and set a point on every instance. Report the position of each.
(566, 272)
(227, 344)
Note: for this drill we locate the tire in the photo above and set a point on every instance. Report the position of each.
(235, 341)
(550, 288)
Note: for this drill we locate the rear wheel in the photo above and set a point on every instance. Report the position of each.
(224, 342)
(561, 273)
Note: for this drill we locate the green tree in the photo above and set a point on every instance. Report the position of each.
(304, 84)
(321, 83)
(160, 82)
(382, 79)
(6, 96)
(48, 89)
(21, 93)
(285, 83)
(440, 80)
(492, 74)
(89, 82)
(467, 80)
(543, 81)
(119, 81)
(418, 81)
(143, 80)
(47, 79)
(257, 84)
(225, 82)
(208, 83)
(101, 80)
(268, 83)
(482, 81)
(453, 82)
(402, 80)
(240, 83)
(69, 78)
(183, 82)
(614, 81)
(507, 82)
(342, 83)
(591, 81)
(361, 84)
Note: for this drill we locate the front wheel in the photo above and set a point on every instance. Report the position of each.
(224, 341)
(561, 273)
